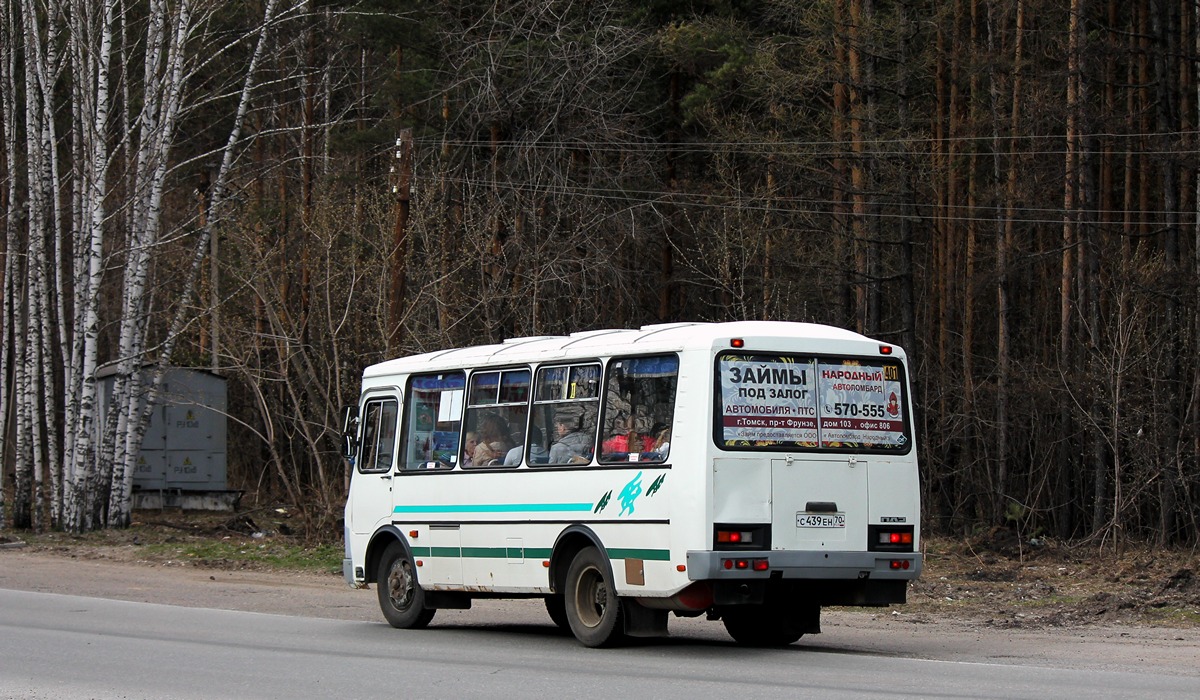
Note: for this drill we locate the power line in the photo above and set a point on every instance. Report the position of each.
(708, 146)
(815, 206)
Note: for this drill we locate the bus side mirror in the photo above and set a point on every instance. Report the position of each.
(349, 431)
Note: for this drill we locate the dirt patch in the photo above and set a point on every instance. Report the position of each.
(995, 581)
(1000, 582)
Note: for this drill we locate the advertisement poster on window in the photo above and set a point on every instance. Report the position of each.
(783, 401)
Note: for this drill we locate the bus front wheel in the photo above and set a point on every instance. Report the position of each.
(592, 607)
(400, 595)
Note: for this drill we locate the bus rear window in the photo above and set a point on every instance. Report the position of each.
(811, 403)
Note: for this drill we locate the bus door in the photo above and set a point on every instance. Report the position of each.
(431, 438)
(371, 484)
(819, 502)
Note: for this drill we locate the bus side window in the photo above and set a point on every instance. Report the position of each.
(565, 412)
(497, 408)
(639, 407)
(379, 435)
(433, 421)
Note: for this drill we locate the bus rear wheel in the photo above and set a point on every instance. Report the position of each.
(400, 596)
(763, 625)
(592, 607)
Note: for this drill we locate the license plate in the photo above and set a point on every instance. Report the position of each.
(820, 520)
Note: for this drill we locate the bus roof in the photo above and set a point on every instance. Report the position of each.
(586, 344)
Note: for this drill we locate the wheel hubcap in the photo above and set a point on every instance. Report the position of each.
(400, 585)
(591, 597)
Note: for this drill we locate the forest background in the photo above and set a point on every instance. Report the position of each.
(284, 191)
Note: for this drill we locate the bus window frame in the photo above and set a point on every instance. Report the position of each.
(382, 400)
(548, 430)
(600, 419)
(500, 372)
(401, 465)
(718, 409)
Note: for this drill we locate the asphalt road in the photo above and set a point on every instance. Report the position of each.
(68, 647)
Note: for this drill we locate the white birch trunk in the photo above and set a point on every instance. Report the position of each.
(135, 428)
(30, 459)
(1195, 404)
(51, 313)
(49, 308)
(157, 135)
(79, 449)
(8, 91)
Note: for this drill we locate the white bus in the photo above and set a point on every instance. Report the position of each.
(749, 471)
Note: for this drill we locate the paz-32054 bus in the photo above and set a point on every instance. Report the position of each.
(749, 471)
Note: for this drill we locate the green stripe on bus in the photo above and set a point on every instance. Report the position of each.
(651, 554)
(497, 508)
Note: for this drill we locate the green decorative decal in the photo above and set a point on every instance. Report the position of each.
(654, 487)
(603, 502)
(629, 494)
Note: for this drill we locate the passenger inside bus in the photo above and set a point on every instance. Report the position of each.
(573, 446)
(618, 440)
(662, 440)
(470, 442)
(494, 441)
(537, 450)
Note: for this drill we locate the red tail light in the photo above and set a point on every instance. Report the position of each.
(895, 538)
(746, 564)
(735, 537)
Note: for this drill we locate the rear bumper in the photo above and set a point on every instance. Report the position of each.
(710, 566)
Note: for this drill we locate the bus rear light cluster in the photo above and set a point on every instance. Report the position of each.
(898, 564)
(745, 564)
(735, 537)
(891, 538)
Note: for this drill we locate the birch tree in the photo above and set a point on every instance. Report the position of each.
(8, 130)
(80, 220)
(133, 402)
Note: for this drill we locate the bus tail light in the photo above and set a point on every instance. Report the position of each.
(895, 538)
(735, 537)
(890, 538)
(728, 536)
(745, 564)
(898, 564)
